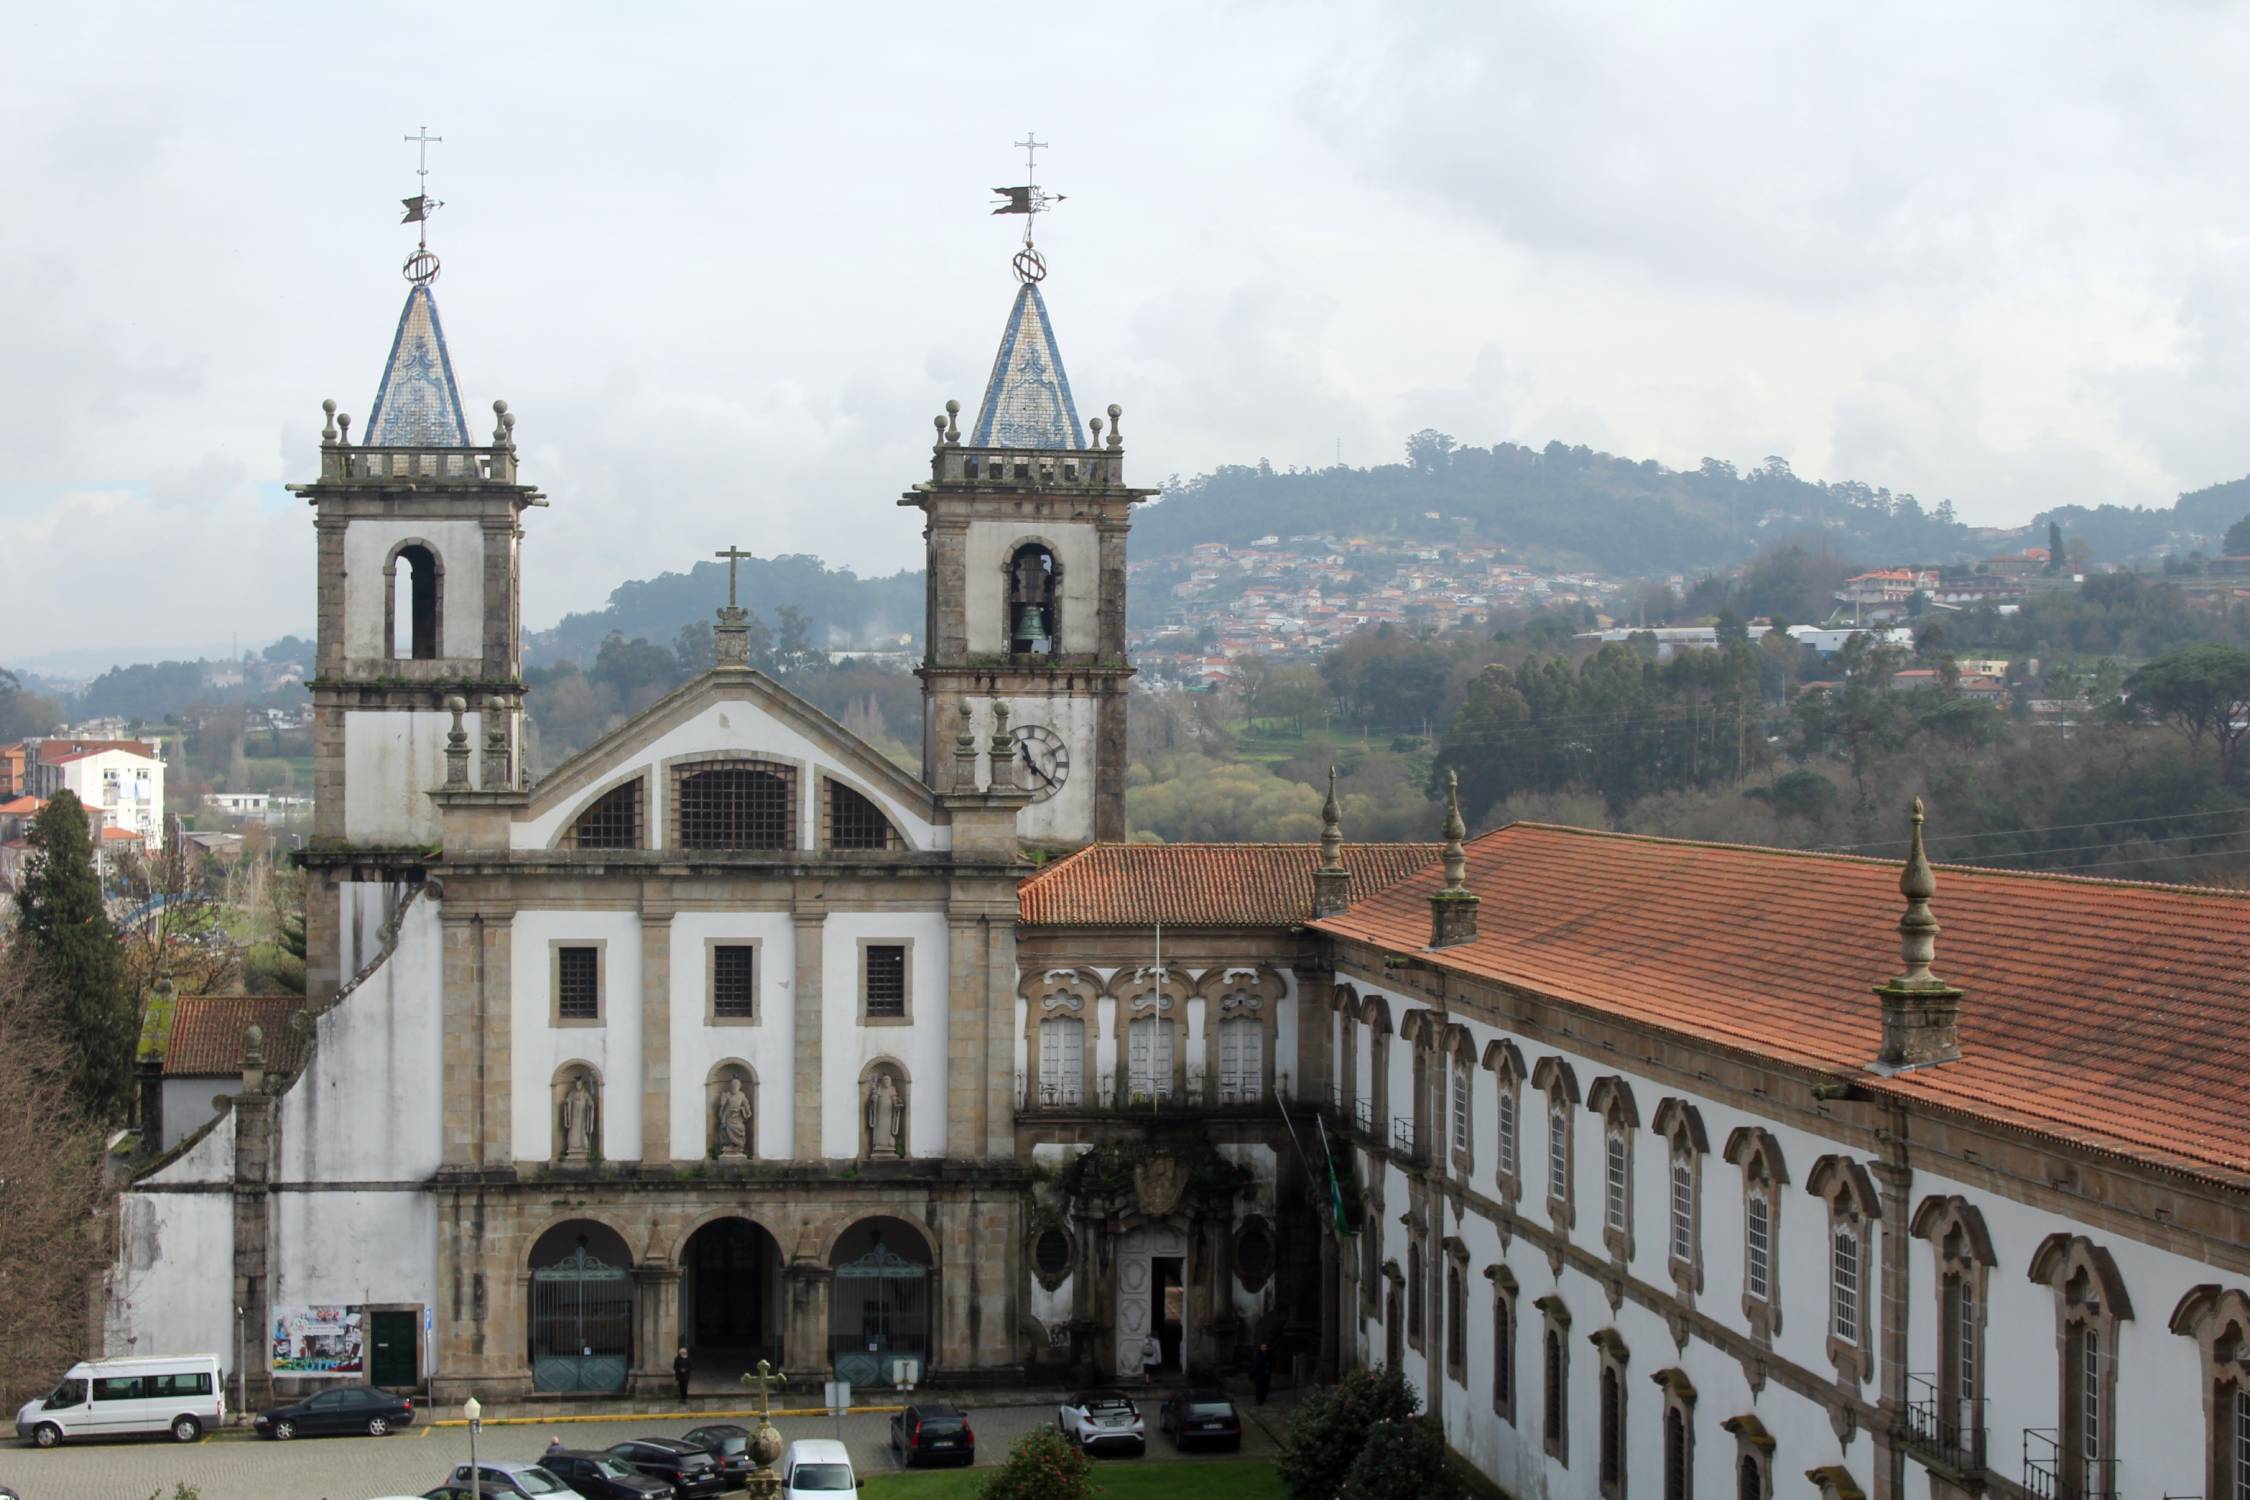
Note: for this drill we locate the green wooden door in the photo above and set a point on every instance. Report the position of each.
(390, 1350)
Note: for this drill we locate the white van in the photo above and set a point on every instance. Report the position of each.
(123, 1397)
(816, 1466)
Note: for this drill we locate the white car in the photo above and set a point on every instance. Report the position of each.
(816, 1466)
(1102, 1420)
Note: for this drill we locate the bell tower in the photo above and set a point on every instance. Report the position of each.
(418, 533)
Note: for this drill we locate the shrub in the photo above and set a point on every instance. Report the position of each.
(1401, 1460)
(1328, 1429)
(1043, 1465)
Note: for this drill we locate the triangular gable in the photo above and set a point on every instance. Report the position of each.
(417, 405)
(1027, 402)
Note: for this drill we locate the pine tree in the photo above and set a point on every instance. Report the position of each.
(68, 937)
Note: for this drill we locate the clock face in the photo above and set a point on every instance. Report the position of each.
(1046, 759)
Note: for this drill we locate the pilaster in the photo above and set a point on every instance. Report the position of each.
(253, 1232)
(496, 1041)
(966, 981)
(999, 1075)
(461, 1023)
(656, 1026)
(808, 919)
(656, 1299)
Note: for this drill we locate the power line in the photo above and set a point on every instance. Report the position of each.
(2009, 833)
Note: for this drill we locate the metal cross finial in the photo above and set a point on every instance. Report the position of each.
(733, 555)
(1030, 200)
(422, 267)
(765, 1382)
(1032, 146)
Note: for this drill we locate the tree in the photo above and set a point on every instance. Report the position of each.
(1041, 1465)
(1429, 451)
(2054, 547)
(1402, 1460)
(2200, 691)
(72, 947)
(2238, 538)
(1329, 1428)
(23, 713)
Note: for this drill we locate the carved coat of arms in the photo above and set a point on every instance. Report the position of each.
(1158, 1183)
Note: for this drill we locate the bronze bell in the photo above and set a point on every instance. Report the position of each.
(1032, 627)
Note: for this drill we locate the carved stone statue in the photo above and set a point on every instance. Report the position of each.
(731, 1122)
(578, 1109)
(885, 1119)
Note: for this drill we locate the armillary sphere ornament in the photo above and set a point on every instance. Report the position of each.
(1030, 265)
(421, 267)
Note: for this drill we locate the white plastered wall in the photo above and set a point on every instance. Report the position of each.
(847, 1046)
(1077, 547)
(612, 1047)
(171, 1284)
(393, 760)
(1068, 816)
(460, 548)
(769, 1047)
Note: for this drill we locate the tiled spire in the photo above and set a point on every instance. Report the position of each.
(1921, 1012)
(1027, 402)
(1332, 883)
(417, 406)
(1453, 910)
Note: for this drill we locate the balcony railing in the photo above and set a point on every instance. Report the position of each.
(1948, 1429)
(1363, 1116)
(2052, 1473)
(1402, 1137)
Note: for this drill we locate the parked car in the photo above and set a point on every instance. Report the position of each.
(499, 1476)
(816, 1466)
(350, 1408)
(933, 1430)
(181, 1395)
(1103, 1420)
(690, 1471)
(598, 1476)
(1191, 1415)
(729, 1447)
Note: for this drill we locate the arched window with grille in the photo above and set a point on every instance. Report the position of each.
(611, 821)
(849, 820)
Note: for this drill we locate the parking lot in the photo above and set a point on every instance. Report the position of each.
(238, 1467)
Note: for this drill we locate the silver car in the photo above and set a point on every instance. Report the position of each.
(1103, 1421)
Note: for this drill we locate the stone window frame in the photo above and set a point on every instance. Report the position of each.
(1417, 1287)
(1034, 1235)
(1765, 1173)
(1753, 1455)
(905, 1017)
(1460, 1052)
(862, 1148)
(1611, 1101)
(1008, 555)
(2218, 1319)
(1675, 1472)
(390, 601)
(1393, 1319)
(1613, 1442)
(711, 947)
(1370, 1256)
(2090, 1299)
(600, 1018)
(1680, 1125)
(1049, 992)
(1137, 998)
(1419, 1030)
(1556, 1079)
(566, 836)
(1505, 1062)
(1854, 1209)
(1226, 997)
(1961, 1253)
(1505, 1330)
(1346, 1001)
(1554, 1379)
(824, 834)
(677, 768)
(1455, 1291)
(1835, 1482)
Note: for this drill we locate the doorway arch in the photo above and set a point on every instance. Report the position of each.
(879, 1300)
(1152, 1262)
(730, 1301)
(582, 1308)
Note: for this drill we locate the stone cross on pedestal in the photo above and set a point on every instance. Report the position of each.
(765, 1444)
(730, 641)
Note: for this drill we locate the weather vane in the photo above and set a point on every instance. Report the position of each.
(421, 267)
(1028, 200)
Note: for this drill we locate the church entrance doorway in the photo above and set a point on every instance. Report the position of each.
(1152, 1297)
(581, 1325)
(730, 1302)
(879, 1300)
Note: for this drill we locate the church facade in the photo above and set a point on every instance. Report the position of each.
(1688, 1169)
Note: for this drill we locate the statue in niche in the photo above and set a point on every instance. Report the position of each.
(577, 1118)
(731, 1122)
(886, 1116)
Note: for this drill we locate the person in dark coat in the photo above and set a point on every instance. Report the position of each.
(680, 1371)
(1261, 1371)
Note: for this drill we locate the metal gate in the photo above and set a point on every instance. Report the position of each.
(581, 1325)
(879, 1312)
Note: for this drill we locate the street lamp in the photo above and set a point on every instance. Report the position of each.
(475, 1414)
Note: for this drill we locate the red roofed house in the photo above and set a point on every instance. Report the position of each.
(203, 1058)
(123, 779)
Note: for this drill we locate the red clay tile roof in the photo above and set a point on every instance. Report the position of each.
(207, 1034)
(2111, 1014)
(25, 804)
(58, 752)
(1202, 885)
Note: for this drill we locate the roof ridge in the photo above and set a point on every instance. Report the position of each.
(1832, 856)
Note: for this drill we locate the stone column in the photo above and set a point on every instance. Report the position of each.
(1316, 989)
(656, 1030)
(948, 585)
(808, 919)
(656, 1327)
(804, 1344)
(1000, 1031)
(1110, 549)
(498, 641)
(496, 1048)
(253, 1231)
(966, 984)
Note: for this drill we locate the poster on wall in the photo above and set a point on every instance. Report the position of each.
(319, 1341)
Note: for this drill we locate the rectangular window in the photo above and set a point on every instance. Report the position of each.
(2241, 1478)
(884, 979)
(1505, 1113)
(1504, 1356)
(1062, 1060)
(734, 982)
(1149, 1058)
(1456, 1315)
(1757, 1237)
(1558, 1155)
(1460, 1107)
(1241, 1060)
(1615, 1183)
(1414, 1293)
(2089, 1411)
(1844, 1285)
(578, 984)
(120, 1388)
(1683, 1209)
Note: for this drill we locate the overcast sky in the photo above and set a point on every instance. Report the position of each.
(725, 262)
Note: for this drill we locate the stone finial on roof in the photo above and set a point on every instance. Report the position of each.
(1004, 775)
(457, 744)
(253, 1059)
(1332, 882)
(503, 425)
(1453, 909)
(1921, 1012)
(328, 420)
(965, 752)
(499, 753)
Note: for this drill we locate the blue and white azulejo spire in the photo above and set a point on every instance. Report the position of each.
(417, 406)
(1027, 401)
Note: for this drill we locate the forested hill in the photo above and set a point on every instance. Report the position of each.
(1575, 507)
(839, 606)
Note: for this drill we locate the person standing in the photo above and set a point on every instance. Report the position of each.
(1152, 1355)
(1261, 1371)
(680, 1369)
